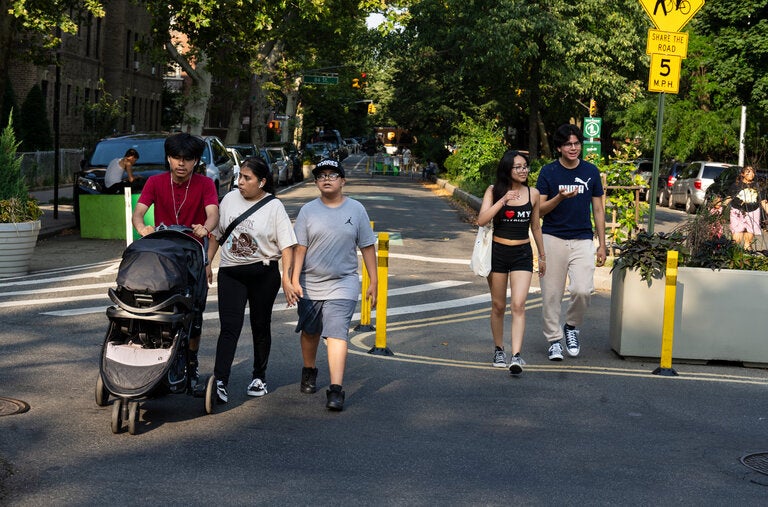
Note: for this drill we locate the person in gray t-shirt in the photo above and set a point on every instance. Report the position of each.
(329, 230)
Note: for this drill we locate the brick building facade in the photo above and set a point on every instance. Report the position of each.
(104, 48)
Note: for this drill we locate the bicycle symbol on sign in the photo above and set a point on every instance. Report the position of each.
(668, 6)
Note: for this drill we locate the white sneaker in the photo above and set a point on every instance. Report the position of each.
(257, 388)
(221, 392)
(499, 359)
(571, 341)
(516, 365)
(556, 352)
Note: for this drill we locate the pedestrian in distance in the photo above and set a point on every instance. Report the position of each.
(513, 207)
(570, 187)
(181, 197)
(113, 178)
(329, 230)
(745, 200)
(254, 232)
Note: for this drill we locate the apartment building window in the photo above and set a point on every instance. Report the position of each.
(89, 22)
(67, 98)
(98, 37)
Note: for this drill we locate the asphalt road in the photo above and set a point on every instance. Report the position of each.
(432, 425)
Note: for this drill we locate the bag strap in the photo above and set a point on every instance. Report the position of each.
(250, 211)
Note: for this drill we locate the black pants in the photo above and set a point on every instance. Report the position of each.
(256, 284)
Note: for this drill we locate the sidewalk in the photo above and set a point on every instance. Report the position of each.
(65, 215)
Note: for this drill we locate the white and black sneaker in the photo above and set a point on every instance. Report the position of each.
(556, 351)
(516, 365)
(499, 358)
(257, 388)
(571, 335)
(221, 392)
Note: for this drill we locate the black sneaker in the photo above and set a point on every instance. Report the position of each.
(308, 380)
(335, 398)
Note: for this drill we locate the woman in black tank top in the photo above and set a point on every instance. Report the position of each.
(514, 208)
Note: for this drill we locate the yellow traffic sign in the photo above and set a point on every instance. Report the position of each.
(671, 15)
(667, 43)
(665, 74)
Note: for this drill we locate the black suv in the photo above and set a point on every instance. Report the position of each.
(215, 163)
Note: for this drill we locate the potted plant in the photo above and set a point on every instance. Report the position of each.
(19, 213)
(717, 292)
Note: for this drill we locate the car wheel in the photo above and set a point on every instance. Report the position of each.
(661, 199)
(690, 208)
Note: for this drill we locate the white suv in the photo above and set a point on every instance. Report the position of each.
(690, 186)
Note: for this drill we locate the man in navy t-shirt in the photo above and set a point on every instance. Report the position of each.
(570, 188)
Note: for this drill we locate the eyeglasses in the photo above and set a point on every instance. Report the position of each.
(572, 145)
(520, 168)
(328, 176)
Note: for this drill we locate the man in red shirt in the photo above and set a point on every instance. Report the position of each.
(181, 197)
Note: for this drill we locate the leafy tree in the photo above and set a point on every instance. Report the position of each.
(34, 129)
(101, 118)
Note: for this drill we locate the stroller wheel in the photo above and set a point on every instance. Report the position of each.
(133, 416)
(102, 395)
(210, 395)
(117, 416)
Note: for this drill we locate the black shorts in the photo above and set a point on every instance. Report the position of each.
(506, 258)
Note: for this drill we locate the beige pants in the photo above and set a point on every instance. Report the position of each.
(573, 259)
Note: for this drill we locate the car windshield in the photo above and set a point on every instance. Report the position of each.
(151, 151)
(711, 171)
(276, 154)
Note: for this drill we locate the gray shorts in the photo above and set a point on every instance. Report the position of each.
(329, 318)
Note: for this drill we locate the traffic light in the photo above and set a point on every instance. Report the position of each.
(363, 79)
(273, 125)
(371, 108)
(356, 83)
(592, 107)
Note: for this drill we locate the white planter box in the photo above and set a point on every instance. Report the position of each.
(17, 242)
(719, 315)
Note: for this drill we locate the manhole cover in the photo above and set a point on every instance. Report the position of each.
(9, 406)
(757, 461)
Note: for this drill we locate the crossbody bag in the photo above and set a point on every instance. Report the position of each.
(250, 211)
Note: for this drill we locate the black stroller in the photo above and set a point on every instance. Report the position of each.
(160, 296)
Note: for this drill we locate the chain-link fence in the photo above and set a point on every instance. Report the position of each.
(37, 167)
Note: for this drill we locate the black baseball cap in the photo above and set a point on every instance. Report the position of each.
(328, 164)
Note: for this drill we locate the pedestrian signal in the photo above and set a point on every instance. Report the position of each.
(356, 83)
(592, 107)
(371, 108)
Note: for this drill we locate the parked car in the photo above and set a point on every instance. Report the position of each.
(339, 149)
(644, 168)
(283, 163)
(237, 158)
(690, 187)
(215, 163)
(668, 178)
(318, 151)
(296, 158)
(246, 150)
(263, 153)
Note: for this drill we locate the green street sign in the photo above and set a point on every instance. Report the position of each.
(589, 148)
(592, 127)
(324, 80)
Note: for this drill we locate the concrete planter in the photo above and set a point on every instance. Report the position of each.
(17, 243)
(719, 315)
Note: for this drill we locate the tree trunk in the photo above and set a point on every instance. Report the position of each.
(291, 108)
(200, 91)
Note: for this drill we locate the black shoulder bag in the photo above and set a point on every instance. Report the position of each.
(250, 211)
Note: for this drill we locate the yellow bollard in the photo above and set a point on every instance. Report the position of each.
(380, 347)
(365, 303)
(668, 325)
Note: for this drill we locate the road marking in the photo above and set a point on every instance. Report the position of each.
(362, 350)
